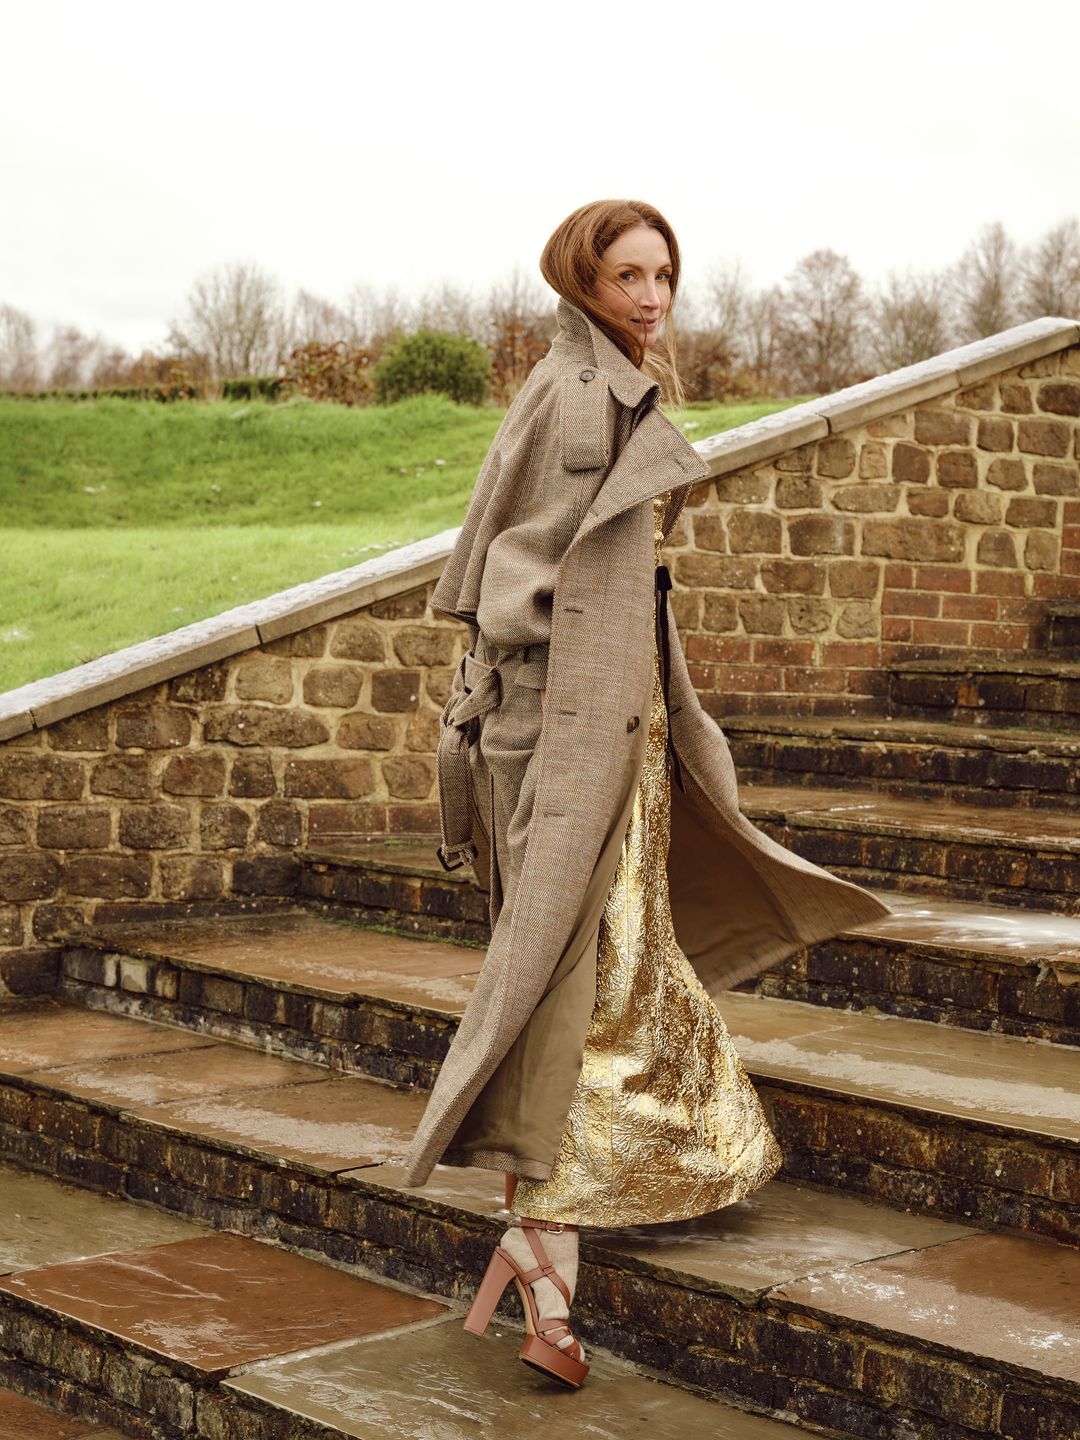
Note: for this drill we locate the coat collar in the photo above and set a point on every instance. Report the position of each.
(581, 339)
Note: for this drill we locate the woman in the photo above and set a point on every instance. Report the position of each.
(598, 804)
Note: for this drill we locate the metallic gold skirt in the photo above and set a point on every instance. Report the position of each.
(664, 1122)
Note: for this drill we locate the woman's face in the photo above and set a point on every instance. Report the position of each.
(641, 264)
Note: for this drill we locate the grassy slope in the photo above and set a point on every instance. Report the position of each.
(121, 520)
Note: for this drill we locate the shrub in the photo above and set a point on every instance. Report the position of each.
(337, 372)
(451, 365)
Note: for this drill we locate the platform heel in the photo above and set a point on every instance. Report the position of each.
(540, 1349)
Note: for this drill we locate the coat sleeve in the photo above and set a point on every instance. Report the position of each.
(559, 476)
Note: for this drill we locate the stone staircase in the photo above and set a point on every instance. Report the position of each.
(217, 1103)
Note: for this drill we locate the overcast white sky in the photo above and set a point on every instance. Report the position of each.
(406, 141)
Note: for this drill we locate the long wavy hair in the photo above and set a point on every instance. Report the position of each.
(573, 261)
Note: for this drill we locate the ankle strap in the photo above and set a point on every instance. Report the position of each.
(554, 1225)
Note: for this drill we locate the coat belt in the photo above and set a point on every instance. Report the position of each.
(476, 688)
(663, 585)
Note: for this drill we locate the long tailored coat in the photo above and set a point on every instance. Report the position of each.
(571, 477)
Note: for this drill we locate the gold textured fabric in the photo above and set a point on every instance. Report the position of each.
(664, 1122)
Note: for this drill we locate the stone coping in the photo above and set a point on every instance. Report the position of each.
(124, 672)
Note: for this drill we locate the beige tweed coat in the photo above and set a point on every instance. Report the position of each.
(540, 792)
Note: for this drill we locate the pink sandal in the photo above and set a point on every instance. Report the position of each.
(540, 1349)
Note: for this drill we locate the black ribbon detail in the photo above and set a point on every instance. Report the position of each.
(663, 585)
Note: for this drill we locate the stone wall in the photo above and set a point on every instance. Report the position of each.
(939, 530)
(919, 515)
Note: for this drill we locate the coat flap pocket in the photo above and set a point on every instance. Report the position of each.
(583, 420)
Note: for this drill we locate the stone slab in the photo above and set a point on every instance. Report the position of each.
(1000, 1080)
(14, 721)
(22, 1419)
(1022, 937)
(945, 820)
(762, 440)
(141, 1080)
(437, 1383)
(886, 394)
(1002, 1298)
(331, 1125)
(220, 1301)
(780, 1233)
(43, 1222)
(43, 1034)
(1017, 346)
(395, 857)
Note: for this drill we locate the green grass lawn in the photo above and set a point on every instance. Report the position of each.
(120, 520)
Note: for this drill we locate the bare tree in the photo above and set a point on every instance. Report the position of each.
(234, 323)
(823, 324)
(446, 307)
(1050, 273)
(726, 304)
(984, 284)
(313, 320)
(373, 317)
(20, 368)
(70, 358)
(760, 333)
(909, 319)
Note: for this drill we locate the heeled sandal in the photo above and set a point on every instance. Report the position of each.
(540, 1349)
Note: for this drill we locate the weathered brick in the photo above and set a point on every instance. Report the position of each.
(337, 685)
(910, 465)
(762, 614)
(913, 539)
(192, 877)
(793, 492)
(866, 498)
(1016, 397)
(255, 725)
(152, 727)
(857, 619)
(39, 777)
(996, 547)
(358, 817)
(821, 535)
(809, 615)
(200, 686)
(11, 932)
(109, 877)
(873, 462)
(279, 822)
(329, 779)
(224, 827)
(309, 644)
(934, 503)
(425, 645)
(755, 532)
(1043, 437)
(975, 397)
(264, 677)
(437, 684)
(357, 639)
(1058, 398)
(28, 876)
(194, 775)
(784, 577)
(956, 469)
(854, 578)
(266, 875)
(710, 533)
(719, 612)
(14, 825)
(1041, 551)
(395, 690)
(252, 776)
(88, 731)
(995, 433)
(53, 922)
(422, 732)
(408, 777)
(1007, 475)
(744, 487)
(835, 458)
(978, 508)
(366, 732)
(942, 427)
(74, 827)
(154, 827)
(1028, 512)
(128, 776)
(799, 461)
(409, 605)
(1055, 479)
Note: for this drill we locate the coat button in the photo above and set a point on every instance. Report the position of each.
(587, 374)
(632, 723)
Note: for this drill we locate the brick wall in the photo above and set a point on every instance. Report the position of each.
(940, 530)
(202, 787)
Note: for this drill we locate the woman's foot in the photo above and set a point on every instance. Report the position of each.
(561, 1247)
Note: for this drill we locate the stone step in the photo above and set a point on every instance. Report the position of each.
(1008, 690)
(965, 1125)
(924, 759)
(998, 855)
(820, 1309)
